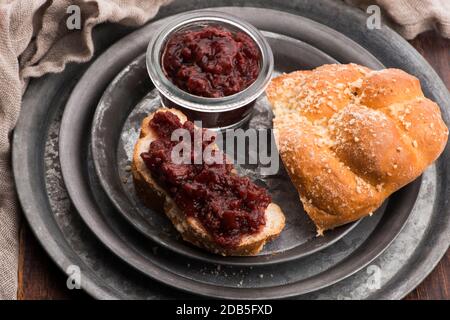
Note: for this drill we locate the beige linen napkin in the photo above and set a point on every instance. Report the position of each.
(34, 40)
(412, 17)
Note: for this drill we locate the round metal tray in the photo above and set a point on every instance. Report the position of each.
(131, 97)
(281, 281)
(47, 208)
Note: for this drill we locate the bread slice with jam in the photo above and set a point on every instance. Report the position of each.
(191, 229)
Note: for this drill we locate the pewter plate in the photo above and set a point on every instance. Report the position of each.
(115, 128)
(262, 281)
(410, 257)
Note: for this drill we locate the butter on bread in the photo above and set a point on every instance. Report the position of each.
(350, 136)
(190, 228)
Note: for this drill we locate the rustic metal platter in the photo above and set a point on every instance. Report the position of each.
(42, 193)
(283, 280)
(131, 97)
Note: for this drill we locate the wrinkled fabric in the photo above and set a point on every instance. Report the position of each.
(412, 17)
(34, 40)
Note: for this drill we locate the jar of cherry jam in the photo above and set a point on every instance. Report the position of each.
(210, 65)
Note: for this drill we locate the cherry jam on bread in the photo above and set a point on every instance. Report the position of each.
(227, 205)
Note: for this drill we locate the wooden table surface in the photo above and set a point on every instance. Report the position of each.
(39, 278)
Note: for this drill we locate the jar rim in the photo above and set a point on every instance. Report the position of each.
(205, 104)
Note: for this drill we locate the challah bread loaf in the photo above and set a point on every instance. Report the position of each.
(350, 136)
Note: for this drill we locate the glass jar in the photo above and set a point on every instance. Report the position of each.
(224, 112)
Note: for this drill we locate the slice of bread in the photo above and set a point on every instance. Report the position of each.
(191, 228)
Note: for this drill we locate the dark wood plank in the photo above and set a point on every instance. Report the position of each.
(39, 278)
(436, 285)
(436, 50)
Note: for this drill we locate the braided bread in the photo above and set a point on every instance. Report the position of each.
(350, 136)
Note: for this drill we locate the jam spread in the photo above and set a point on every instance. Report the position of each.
(211, 61)
(227, 205)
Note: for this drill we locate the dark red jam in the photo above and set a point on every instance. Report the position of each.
(228, 206)
(212, 61)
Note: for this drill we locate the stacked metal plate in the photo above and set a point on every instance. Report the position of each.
(75, 137)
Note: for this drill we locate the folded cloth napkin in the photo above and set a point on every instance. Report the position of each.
(412, 17)
(35, 39)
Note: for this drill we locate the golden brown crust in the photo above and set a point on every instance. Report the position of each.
(190, 228)
(349, 137)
